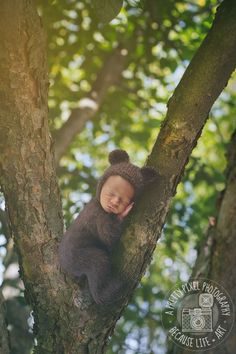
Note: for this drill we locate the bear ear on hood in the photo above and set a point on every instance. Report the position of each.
(149, 174)
(117, 156)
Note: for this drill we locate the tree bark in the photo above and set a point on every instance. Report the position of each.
(106, 10)
(216, 260)
(66, 319)
(223, 260)
(4, 342)
(203, 81)
(28, 175)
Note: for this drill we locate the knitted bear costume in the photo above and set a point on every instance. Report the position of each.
(86, 247)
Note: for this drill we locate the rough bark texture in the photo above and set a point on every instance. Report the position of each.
(216, 260)
(4, 343)
(188, 109)
(223, 260)
(67, 321)
(27, 173)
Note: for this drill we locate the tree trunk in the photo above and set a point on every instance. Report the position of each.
(223, 259)
(66, 318)
(4, 343)
(27, 172)
(216, 260)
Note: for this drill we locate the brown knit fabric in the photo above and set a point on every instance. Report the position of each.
(120, 165)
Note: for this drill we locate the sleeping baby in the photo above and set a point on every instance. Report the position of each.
(86, 248)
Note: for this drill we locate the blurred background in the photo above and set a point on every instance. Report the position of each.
(109, 87)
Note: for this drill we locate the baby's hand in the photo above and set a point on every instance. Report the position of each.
(126, 211)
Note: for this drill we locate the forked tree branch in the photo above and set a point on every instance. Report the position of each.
(66, 319)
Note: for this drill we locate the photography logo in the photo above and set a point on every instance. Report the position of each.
(198, 315)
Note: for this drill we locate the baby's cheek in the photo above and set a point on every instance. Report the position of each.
(107, 200)
(122, 208)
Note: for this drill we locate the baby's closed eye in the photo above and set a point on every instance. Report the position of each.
(122, 200)
(125, 201)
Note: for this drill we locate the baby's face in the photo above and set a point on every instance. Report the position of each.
(116, 194)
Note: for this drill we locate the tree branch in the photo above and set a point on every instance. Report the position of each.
(88, 106)
(67, 320)
(188, 109)
(4, 339)
(216, 260)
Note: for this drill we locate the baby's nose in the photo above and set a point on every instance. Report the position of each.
(115, 201)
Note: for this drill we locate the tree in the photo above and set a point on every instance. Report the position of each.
(29, 180)
(219, 242)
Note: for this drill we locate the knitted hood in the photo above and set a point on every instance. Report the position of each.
(120, 165)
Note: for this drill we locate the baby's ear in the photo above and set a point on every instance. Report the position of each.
(117, 156)
(149, 174)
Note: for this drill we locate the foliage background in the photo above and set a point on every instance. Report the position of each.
(159, 39)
